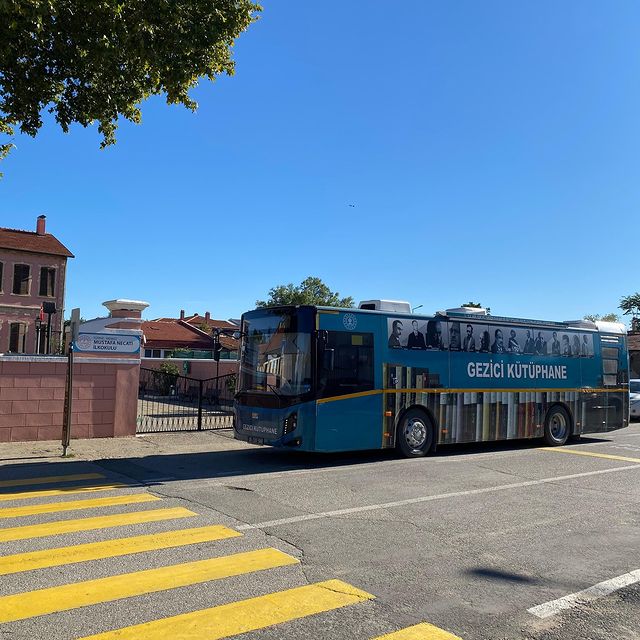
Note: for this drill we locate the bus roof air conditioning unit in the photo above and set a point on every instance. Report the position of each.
(581, 324)
(395, 306)
(476, 311)
(601, 325)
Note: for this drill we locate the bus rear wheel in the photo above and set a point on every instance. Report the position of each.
(557, 426)
(414, 435)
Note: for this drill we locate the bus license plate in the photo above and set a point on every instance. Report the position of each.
(254, 440)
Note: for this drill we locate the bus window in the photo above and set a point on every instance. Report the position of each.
(351, 369)
(610, 366)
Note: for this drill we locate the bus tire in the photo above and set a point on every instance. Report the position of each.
(414, 434)
(557, 426)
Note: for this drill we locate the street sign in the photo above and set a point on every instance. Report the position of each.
(107, 343)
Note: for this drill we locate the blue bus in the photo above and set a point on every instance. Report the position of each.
(327, 379)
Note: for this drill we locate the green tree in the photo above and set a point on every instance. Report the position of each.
(607, 317)
(631, 305)
(92, 62)
(165, 377)
(310, 291)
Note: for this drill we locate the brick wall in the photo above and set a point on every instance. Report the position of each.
(200, 369)
(32, 391)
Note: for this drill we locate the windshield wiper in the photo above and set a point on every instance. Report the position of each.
(274, 390)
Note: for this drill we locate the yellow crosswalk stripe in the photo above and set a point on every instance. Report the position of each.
(591, 454)
(75, 505)
(245, 615)
(111, 548)
(422, 631)
(24, 495)
(20, 482)
(72, 596)
(88, 524)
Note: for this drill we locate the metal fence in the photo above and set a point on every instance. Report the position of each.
(171, 402)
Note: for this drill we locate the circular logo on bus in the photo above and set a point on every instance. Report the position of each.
(350, 321)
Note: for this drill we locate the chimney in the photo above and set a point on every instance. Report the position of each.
(124, 308)
(41, 225)
(181, 314)
(207, 316)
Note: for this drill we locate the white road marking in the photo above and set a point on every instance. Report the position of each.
(599, 590)
(440, 496)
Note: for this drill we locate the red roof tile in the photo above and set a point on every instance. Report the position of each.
(32, 242)
(173, 333)
(197, 320)
(169, 333)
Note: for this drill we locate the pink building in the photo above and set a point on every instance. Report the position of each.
(32, 279)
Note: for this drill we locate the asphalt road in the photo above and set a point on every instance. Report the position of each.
(469, 541)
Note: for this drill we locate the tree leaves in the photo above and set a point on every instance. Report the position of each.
(92, 61)
(311, 291)
(631, 304)
(607, 317)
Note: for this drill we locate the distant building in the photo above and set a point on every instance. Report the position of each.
(633, 342)
(189, 337)
(33, 267)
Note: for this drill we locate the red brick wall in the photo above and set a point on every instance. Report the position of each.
(200, 369)
(32, 394)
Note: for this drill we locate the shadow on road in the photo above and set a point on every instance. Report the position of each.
(161, 467)
(502, 576)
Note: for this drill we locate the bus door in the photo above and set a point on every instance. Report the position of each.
(349, 409)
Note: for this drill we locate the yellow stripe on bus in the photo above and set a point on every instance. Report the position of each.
(25, 495)
(422, 631)
(89, 524)
(445, 390)
(243, 616)
(349, 396)
(21, 562)
(50, 479)
(72, 596)
(76, 505)
(498, 390)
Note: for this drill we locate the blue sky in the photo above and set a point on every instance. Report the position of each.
(490, 150)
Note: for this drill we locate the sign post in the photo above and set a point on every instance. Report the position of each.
(68, 399)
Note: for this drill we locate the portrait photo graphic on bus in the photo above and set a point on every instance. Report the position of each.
(408, 333)
(442, 334)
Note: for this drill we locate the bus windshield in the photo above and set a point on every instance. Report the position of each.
(276, 354)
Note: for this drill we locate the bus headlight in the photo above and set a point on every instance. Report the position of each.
(290, 423)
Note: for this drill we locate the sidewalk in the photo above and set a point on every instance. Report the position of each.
(150, 444)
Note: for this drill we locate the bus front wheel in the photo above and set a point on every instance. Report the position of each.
(414, 435)
(557, 426)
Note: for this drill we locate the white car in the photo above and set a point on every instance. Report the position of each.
(634, 398)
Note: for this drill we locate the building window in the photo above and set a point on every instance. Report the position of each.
(153, 353)
(21, 277)
(17, 337)
(1, 274)
(47, 281)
